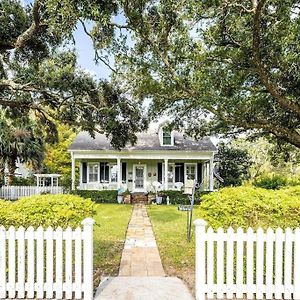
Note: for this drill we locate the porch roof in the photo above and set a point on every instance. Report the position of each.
(146, 141)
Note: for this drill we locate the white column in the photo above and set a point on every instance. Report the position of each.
(166, 174)
(119, 175)
(73, 171)
(211, 174)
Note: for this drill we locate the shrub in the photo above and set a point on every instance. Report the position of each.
(270, 182)
(251, 206)
(105, 196)
(45, 210)
(176, 197)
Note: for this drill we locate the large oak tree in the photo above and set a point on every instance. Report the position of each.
(39, 76)
(216, 66)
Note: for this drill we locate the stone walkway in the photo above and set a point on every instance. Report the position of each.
(141, 274)
(140, 256)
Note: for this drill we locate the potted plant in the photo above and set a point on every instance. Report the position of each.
(127, 197)
(120, 196)
(151, 197)
(159, 197)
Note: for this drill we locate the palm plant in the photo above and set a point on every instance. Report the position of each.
(21, 140)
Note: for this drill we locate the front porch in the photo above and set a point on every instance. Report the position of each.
(143, 175)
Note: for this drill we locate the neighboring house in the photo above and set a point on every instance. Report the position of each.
(160, 160)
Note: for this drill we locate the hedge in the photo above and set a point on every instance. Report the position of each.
(104, 196)
(248, 206)
(177, 197)
(45, 210)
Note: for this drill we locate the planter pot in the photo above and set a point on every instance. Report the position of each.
(120, 199)
(158, 200)
(127, 199)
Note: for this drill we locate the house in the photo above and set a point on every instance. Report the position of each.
(160, 160)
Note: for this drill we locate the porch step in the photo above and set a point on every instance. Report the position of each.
(139, 198)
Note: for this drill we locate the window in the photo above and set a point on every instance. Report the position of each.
(113, 173)
(190, 171)
(104, 172)
(167, 138)
(170, 174)
(93, 172)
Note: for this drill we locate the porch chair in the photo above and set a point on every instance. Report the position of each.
(178, 186)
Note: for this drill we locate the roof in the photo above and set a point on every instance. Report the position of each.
(146, 141)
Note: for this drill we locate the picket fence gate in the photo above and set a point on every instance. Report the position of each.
(264, 265)
(47, 263)
(14, 192)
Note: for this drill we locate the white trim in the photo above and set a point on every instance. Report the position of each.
(133, 177)
(88, 172)
(196, 170)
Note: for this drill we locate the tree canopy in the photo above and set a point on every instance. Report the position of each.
(39, 76)
(215, 66)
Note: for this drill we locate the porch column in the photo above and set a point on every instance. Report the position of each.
(119, 175)
(166, 174)
(211, 174)
(73, 171)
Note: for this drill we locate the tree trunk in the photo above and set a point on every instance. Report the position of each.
(11, 171)
(2, 169)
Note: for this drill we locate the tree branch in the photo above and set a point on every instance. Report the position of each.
(264, 77)
(27, 35)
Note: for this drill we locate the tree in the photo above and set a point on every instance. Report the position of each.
(21, 140)
(57, 158)
(233, 164)
(38, 77)
(215, 66)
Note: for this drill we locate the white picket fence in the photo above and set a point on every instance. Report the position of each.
(16, 192)
(47, 263)
(264, 265)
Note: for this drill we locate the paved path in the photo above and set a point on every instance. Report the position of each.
(141, 274)
(140, 256)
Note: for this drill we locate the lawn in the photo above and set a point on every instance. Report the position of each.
(176, 253)
(109, 235)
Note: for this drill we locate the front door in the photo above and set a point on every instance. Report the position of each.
(139, 178)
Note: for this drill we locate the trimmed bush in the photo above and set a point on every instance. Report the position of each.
(177, 197)
(250, 206)
(105, 196)
(272, 182)
(45, 210)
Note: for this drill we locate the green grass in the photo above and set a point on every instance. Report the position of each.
(109, 236)
(178, 256)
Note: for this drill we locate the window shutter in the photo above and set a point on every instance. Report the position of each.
(179, 172)
(84, 172)
(106, 168)
(199, 172)
(101, 172)
(159, 172)
(124, 171)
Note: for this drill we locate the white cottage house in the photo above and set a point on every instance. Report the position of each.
(160, 160)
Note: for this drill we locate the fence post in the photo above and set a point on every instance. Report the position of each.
(200, 225)
(88, 258)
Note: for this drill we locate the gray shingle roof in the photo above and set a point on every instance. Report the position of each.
(146, 141)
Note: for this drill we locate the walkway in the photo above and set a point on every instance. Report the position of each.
(141, 274)
(140, 256)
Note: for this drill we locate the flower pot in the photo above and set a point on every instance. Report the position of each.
(120, 199)
(127, 199)
(159, 200)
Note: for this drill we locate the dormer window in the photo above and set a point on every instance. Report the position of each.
(167, 138)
